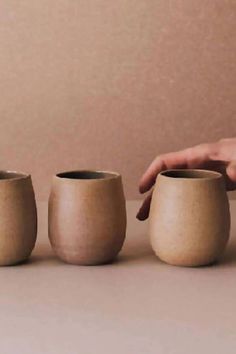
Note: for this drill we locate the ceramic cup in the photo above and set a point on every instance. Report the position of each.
(18, 217)
(189, 217)
(87, 216)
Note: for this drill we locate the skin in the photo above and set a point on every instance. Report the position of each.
(219, 156)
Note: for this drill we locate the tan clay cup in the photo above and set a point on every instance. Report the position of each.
(189, 217)
(18, 217)
(87, 216)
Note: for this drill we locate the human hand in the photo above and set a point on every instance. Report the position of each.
(219, 156)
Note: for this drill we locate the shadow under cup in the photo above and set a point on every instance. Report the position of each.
(18, 222)
(87, 216)
(189, 217)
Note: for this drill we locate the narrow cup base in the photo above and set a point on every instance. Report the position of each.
(87, 263)
(188, 263)
(84, 260)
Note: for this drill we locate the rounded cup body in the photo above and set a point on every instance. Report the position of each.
(87, 216)
(189, 217)
(18, 217)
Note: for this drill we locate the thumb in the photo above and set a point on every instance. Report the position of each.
(231, 171)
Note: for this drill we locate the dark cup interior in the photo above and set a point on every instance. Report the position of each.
(86, 175)
(191, 174)
(6, 175)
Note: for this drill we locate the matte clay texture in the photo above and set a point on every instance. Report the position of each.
(18, 222)
(87, 216)
(189, 217)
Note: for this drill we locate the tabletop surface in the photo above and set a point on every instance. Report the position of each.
(137, 305)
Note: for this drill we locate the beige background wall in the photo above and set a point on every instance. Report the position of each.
(110, 84)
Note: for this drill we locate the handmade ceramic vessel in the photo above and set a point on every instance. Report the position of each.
(18, 217)
(87, 216)
(189, 217)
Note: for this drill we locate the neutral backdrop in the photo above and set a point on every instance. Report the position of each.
(109, 84)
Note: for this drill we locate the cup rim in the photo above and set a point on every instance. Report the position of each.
(190, 174)
(11, 175)
(99, 175)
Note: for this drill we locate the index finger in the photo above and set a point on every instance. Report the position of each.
(163, 162)
(188, 158)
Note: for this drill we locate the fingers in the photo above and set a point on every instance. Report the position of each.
(226, 150)
(145, 208)
(162, 162)
(217, 155)
(193, 157)
(231, 172)
(149, 177)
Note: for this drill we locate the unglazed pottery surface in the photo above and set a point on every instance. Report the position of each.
(87, 216)
(189, 217)
(18, 217)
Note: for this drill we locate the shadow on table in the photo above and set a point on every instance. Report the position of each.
(229, 257)
(137, 251)
(141, 251)
(43, 254)
(133, 252)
